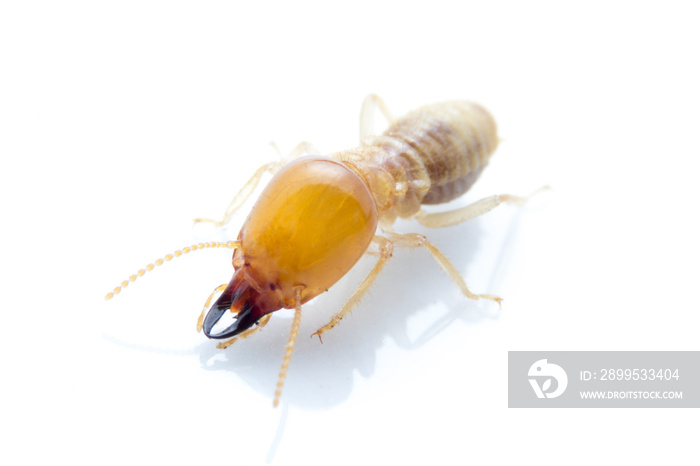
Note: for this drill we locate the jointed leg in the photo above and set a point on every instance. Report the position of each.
(413, 240)
(249, 187)
(367, 116)
(303, 148)
(453, 217)
(386, 249)
(243, 194)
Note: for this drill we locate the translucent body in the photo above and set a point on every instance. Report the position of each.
(429, 156)
(319, 215)
(311, 224)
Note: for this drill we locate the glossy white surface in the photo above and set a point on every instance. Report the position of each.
(121, 124)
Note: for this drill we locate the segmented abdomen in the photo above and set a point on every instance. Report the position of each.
(429, 156)
(453, 140)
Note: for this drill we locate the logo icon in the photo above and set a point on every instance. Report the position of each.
(545, 372)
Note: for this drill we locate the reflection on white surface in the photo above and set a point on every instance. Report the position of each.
(120, 124)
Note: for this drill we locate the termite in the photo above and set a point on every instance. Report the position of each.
(319, 214)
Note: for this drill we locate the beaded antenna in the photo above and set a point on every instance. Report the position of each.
(168, 258)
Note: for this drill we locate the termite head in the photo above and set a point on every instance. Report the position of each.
(311, 224)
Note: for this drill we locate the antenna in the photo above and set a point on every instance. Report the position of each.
(290, 345)
(168, 258)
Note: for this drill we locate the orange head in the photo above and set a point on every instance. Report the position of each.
(311, 224)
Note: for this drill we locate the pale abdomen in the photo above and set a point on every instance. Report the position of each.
(453, 140)
(429, 156)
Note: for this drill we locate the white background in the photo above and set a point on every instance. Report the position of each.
(121, 122)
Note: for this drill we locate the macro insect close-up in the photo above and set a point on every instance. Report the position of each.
(319, 215)
(382, 272)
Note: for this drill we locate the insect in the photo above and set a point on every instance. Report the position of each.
(319, 214)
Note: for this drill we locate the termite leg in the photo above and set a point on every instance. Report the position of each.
(371, 102)
(290, 345)
(386, 250)
(249, 187)
(303, 148)
(453, 217)
(243, 194)
(386, 246)
(412, 240)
